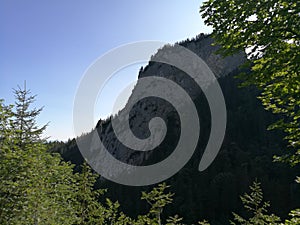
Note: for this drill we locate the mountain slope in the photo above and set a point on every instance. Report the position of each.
(246, 151)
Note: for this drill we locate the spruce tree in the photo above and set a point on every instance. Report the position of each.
(36, 187)
(25, 125)
(88, 208)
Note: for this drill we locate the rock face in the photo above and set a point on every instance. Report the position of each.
(144, 110)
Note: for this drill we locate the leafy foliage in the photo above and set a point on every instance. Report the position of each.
(295, 220)
(157, 200)
(269, 32)
(253, 202)
(203, 223)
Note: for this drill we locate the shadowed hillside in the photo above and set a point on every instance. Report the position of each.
(246, 152)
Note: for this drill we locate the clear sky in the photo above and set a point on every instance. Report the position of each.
(51, 43)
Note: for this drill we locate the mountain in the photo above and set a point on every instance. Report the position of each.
(246, 152)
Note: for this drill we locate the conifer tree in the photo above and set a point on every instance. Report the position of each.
(89, 210)
(36, 187)
(25, 124)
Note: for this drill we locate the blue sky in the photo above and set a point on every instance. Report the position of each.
(50, 44)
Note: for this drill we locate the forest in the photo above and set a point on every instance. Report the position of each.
(254, 53)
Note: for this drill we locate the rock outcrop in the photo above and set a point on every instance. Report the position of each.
(146, 109)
